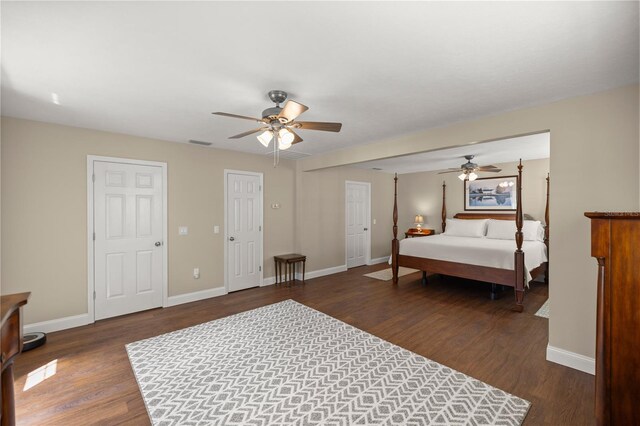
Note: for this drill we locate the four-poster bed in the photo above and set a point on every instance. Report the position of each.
(512, 272)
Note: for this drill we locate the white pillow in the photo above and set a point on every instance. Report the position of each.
(475, 228)
(532, 230)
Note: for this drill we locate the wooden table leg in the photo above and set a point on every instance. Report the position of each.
(304, 263)
(8, 405)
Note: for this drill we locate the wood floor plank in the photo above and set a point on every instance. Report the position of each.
(450, 321)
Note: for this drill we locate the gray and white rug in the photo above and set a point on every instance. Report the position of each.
(288, 364)
(544, 310)
(387, 274)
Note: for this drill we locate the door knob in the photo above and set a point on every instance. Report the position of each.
(366, 229)
(231, 239)
(158, 243)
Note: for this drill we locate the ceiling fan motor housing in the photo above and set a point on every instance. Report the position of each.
(271, 113)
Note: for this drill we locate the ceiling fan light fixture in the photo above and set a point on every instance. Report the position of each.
(265, 138)
(463, 176)
(285, 138)
(473, 176)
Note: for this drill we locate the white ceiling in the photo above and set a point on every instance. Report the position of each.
(529, 147)
(158, 69)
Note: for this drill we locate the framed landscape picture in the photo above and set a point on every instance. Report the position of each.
(494, 193)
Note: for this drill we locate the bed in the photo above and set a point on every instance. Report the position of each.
(512, 263)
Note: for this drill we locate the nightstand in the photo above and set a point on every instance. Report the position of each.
(415, 232)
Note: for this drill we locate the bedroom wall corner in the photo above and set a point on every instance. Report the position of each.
(320, 231)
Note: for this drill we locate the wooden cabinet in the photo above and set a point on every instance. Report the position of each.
(615, 243)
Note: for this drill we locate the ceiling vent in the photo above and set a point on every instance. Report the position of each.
(195, 142)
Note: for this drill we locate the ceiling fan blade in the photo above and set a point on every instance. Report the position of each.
(491, 166)
(291, 110)
(297, 137)
(244, 117)
(451, 171)
(250, 132)
(318, 125)
(482, 169)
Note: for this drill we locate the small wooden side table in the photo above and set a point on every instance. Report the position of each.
(289, 261)
(415, 232)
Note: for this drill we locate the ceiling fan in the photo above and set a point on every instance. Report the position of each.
(279, 124)
(469, 169)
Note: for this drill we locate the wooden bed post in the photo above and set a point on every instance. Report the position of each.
(546, 233)
(444, 206)
(395, 246)
(519, 254)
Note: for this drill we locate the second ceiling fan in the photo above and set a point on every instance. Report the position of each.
(468, 170)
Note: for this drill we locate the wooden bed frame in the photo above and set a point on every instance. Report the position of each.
(515, 278)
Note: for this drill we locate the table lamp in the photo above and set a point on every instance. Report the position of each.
(419, 220)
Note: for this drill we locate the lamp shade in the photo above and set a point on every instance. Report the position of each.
(463, 176)
(419, 219)
(265, 138)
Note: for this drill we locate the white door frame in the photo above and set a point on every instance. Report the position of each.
(227, 172)
(367, 251)
(90, 227)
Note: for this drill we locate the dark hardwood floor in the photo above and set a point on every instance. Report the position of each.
(450, 321)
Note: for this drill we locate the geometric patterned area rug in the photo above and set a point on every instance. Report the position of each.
(387, 275)
(544, 310)
(286, 364)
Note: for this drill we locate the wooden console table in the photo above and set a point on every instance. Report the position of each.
(289, 261)
(11, 336)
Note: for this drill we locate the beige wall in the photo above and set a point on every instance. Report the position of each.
(44, 210)
(594, 166)
(321, 214)
(422, 193)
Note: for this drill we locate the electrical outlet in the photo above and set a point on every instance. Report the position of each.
(196, 273)
(183, 230)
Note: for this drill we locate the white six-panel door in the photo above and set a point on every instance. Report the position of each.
(128, 223)
(243, 231)
(357, 223)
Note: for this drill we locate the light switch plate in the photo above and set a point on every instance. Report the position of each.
(275, 205)
(183, 230)
(216, 229)
(374, 221)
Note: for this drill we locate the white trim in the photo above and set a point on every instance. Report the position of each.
(195, 296)
(59, 324)
(378, 260)
(571, 359)
(321, 272)
(367, 254)
(226, 234)
(268, 281)
(90, 228)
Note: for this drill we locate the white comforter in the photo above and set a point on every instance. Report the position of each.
(475, 251)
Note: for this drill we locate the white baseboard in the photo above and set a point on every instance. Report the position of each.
(571, 359)
(321, 272)
(268, 281)
(195, 296)
(58, 324)
(384, 259)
